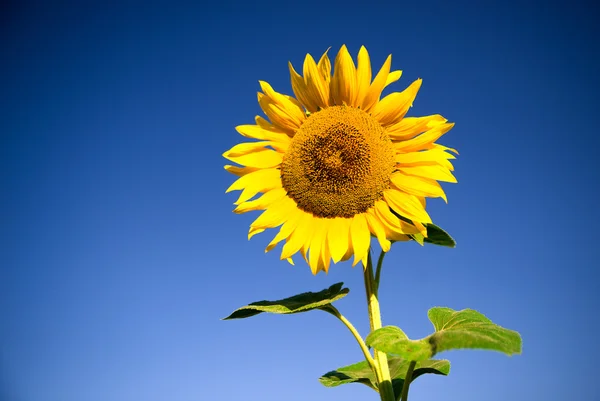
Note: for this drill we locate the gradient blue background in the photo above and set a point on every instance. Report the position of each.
(119, 251)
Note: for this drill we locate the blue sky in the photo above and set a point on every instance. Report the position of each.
(120, 253)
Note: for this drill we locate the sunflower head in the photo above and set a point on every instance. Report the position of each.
(336, 164)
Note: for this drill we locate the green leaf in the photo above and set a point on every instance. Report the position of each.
(296, 304)
(361, 373)
(392, 340)
(470, 329)
(436, 236)
(356, 373)
(454, 330)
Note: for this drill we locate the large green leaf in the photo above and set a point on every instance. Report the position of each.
(436, 236)
(296, 304)
(470, 329)
(453, 330)
(361, 373)
(392, 340)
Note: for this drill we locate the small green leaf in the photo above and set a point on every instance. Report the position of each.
(361, 373)
(470, 329)
(356, 373)
(454, 330)
(435, 236)
(296, 304)
(392, 340)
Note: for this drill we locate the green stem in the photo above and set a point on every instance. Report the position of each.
(407, 380)
(378, 271)
(386, 391)
(333, 310)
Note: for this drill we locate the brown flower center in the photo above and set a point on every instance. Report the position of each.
(339, 163)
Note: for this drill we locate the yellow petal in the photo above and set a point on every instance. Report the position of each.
(298, 237)
(360, 237)
(245, 148)
(257, 132)
(434, 172)
(325, 251)
(406, 205)
(394, 106)
(363, 76)
(287, 103)
(395, 229)
(409, 127)
(263, 158)
(325, 67)
(377, 229)
(338, 238)
(422, 229)
(252, 147)
(424, 158)
(264, 124)
(418, 186)
(278, 115)
(253, 231)
(431, 156)
(317, 87)
(343, 84)
(286, 229)
(240, 171)
(315, 259)
(393, 77)
(262, 202)
(301, 91)
(442, 147)
(377, 86)
(275, 215)
(423, 141)
(255, 182)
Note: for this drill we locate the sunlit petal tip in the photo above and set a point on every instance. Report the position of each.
(392, 77)
(291, 68)
(363, 261)
(343, 84)
(326, 263)
(253, 231)
(378, 84)
(324, 66)
(309, 61)
(313, 268)
(422, 229)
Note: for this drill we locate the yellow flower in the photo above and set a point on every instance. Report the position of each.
(337, 164)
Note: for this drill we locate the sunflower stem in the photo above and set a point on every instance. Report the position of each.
(386, 391)
(335, 312)
(407, 380)
(378, 272)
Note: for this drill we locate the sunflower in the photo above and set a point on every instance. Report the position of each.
(338, 164)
